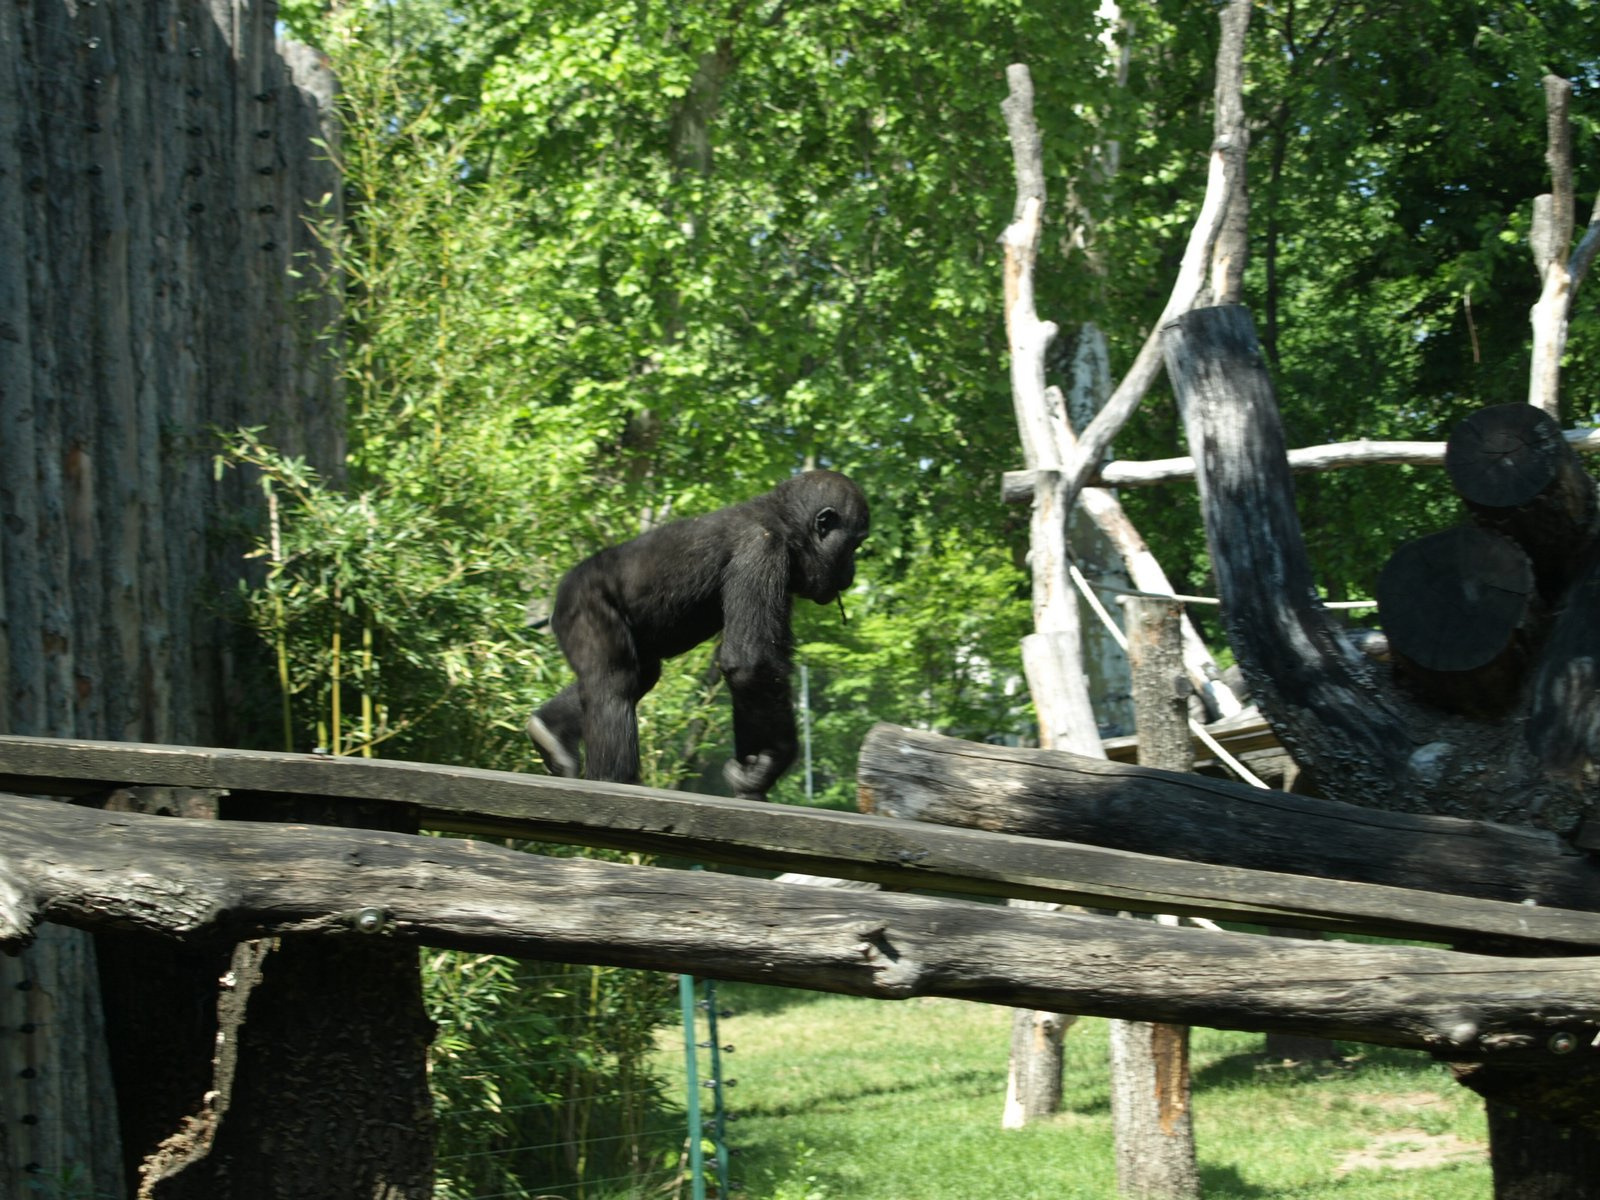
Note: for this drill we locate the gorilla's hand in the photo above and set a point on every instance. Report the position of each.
(751, 777)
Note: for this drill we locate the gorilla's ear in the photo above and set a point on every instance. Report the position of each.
(828, 519)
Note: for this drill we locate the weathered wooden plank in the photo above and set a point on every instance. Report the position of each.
(898, 853)
(1241, 734)
(208, 881)
(926, 777)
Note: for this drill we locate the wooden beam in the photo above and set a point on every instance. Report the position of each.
(218, 881)
(916, 854)
(1243, 733)
(1053, 794)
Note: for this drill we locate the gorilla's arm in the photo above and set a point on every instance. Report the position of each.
(755, 657)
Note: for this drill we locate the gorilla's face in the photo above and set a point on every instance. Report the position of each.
(829, 521)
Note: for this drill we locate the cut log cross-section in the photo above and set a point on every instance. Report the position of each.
(1458, 607)
(1518, 475)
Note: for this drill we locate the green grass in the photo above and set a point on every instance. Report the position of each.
(846, 1099)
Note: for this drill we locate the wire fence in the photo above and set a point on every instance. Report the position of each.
(548, 1082)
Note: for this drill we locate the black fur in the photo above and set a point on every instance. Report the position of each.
(621, 612)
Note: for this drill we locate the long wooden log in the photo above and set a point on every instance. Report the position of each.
(1054, 794)
(209, 881)
(903, 854)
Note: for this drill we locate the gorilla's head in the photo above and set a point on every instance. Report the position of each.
(826, 516)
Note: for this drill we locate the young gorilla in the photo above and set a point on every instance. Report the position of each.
(621, 612)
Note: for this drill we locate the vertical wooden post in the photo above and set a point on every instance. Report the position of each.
(1150, 1060)
(1052, 655)
(320, 1085)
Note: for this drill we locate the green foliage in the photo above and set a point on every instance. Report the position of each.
(1395, 153)
(542, 1078)
(608, 263)
(617, 263)
(395, 625)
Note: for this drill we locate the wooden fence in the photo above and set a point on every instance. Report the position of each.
(156, 165)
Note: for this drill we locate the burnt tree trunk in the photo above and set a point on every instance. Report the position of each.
(1150, 1112)
(1362, 737)
(320, 1086)
(1564, 722)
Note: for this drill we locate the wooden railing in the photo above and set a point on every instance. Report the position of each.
(206, 882)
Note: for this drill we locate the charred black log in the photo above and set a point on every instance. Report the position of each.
(1516, 472)
(926, 777)
(1366, 740)
(1564, 725)
(1459, 608)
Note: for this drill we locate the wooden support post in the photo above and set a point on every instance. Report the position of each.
(1150, 1060)
(320, 1085)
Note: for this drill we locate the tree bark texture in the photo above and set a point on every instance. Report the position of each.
(1534, 1159)
(1094, 552)
(1150, 1085)
(1311, 842)
(1210, 823)
(1224, 176)
(1362, 738)
(1151, 1113)
(220, 882)
(1338, 713)
(1551, 240)
(1564, 724)
(320, 1085)
(155, 165)
(1033, 1081)
(1053, 655)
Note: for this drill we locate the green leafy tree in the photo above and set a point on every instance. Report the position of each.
(610, 263)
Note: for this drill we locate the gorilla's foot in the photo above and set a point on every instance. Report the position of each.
(559, 757)
(751, 778)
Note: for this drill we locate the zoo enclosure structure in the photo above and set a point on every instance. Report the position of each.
(354, 895)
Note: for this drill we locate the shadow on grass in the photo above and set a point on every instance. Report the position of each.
(915, 1089)
(1255, 1069)
(1225, 1183)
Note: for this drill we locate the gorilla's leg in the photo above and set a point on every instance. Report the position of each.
(556, 727)
(611, 680)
